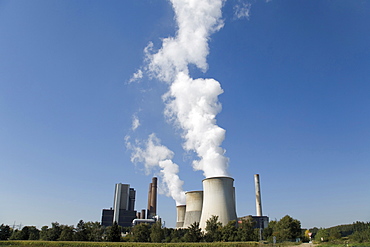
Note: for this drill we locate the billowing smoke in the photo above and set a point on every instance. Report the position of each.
(152, 154)
(192, 104)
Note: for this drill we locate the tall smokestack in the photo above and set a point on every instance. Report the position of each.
(149, 201)
(258, 195)
(218, 200)
(152, 199)
(143, 214)
(154, 196)
(180, 216)
(194, 203)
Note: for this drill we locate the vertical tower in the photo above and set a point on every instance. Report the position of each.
(132, 195)
(180, 215)
(121, 200)
(218, 200)
(152, 199)
(194, 203)
(258, 195)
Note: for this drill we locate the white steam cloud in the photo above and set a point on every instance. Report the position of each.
(192, 104)
(154, 155)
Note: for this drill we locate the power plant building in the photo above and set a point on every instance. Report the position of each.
(123, 211)
(216, 199)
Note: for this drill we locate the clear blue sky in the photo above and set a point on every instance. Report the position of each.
(295, 107)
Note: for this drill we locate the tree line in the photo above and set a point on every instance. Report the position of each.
(285, 229)
(355, 232)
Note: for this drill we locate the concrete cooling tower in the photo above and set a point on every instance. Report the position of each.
(194, 203)
(180, 215)
(219, 200)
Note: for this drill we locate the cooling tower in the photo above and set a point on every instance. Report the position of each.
(180, 215)
(218, 200)
(258, 195)
(194, 203)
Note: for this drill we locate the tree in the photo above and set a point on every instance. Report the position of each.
(229, 232)
(334, 233)
(322, 235)
(25, 233)
(34, 233)
(81, 232)
(287, 228)
(94, 231)
(156, 233)
(177, 235)
(246, 230)
(194, 233)
(16, 235)
(66, 233)
(213, 229)
(5, 232)
(114, 233)
(44, 233)
(141, 233)
(269, 231)
(54, 232)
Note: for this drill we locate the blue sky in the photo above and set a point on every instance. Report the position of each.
(295, 107)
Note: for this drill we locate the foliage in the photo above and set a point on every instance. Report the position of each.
(114, 233)
(177, 235)
(141, 233)
(121, 244)
(213, 229)
(361, 236)
(94, 230)
(81, 232)
(156, 233)
(5, 232)
(194, 233)
(246, 230)
(287, 228)
(66, 233)
(322, 235)
(229, 232)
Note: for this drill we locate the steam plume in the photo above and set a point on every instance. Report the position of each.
(192, 104)
(154, 154)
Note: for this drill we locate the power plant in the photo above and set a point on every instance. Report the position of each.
(216, 199)
(123, 211)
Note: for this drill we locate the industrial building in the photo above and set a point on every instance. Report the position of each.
(123, 211)
(217, 198)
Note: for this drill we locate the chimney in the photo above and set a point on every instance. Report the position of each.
(149, 201)
(258, 195)
(152, 199)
